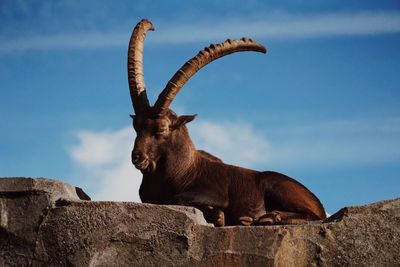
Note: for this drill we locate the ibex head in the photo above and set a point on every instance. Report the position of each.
(159, 130)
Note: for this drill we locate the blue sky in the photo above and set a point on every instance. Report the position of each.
(322, 106)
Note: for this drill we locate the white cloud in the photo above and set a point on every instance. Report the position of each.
(103, 162)
(64, 41)
(283, 26)
(261, 26)
(338, 143)
(235, 143)
(100, 149)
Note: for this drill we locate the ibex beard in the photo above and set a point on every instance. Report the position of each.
(176, 173)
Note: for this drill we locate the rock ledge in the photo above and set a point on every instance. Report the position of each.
(47, 222)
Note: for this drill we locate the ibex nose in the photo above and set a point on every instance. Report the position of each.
(135, 157)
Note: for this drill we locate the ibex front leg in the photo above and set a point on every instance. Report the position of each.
(212, 213)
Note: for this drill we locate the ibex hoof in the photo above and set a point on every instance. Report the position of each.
(269, 218)
(214, 216)
(220, 220)
(246, 220)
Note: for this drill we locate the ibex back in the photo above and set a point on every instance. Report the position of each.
(174, 172)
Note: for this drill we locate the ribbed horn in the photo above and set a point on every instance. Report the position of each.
(193, 65)
(135, 66)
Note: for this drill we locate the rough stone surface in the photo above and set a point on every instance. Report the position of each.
(24, 204)
(48, 223)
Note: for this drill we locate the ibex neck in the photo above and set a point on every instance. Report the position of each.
(180, 159)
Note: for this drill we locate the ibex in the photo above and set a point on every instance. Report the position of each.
(174, 172)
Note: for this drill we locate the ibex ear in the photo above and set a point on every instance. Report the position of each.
(182, 120)
(132, 116)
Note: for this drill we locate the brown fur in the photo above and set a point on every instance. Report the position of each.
(180, 174)
(174, 172)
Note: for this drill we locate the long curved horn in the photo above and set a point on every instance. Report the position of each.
(135, 66)
(193, 65)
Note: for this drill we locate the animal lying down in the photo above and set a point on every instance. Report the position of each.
(174, 172)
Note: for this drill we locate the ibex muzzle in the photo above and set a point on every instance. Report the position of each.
(142, 154)
(174, 172)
